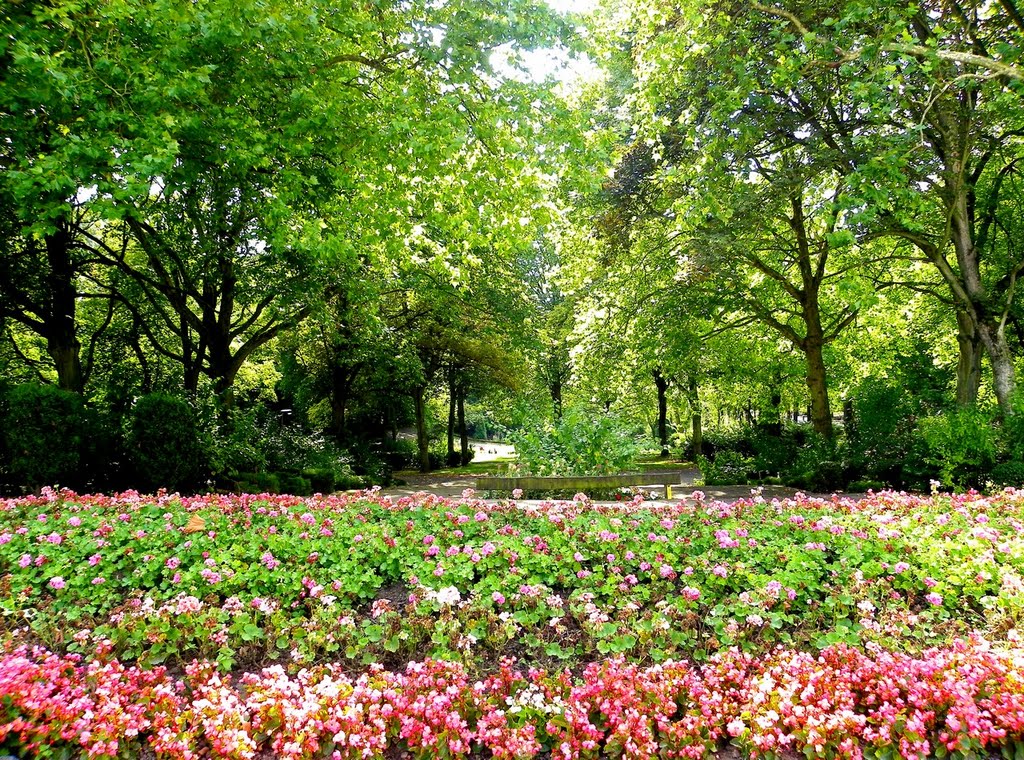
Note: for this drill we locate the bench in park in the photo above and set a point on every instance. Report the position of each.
(583, 483)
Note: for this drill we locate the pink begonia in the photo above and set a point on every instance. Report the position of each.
(784, 704)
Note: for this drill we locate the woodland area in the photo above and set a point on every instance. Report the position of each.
(246, 243)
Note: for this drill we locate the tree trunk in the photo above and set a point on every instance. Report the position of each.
(696, 420)
(820, 411)
(452, 402)
(988, 329)
(968, 368)
(661, 382)
(556, 398)
(419, 401)
(463, 433)
(62, 342)
(341, 384)
(994, 340)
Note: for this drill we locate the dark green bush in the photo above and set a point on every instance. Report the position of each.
(883, 436)
(1008, 474)
(164, 443)
(43, 436)
(321, 481)
(295, 484)
(258, 482)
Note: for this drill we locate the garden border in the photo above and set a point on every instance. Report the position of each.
(583, 483)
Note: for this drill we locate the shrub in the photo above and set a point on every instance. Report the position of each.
(580, 443)
(43, 436)
(727, 468)
(962, 443)
(164, 444)
(1008, 474)
(883, 439)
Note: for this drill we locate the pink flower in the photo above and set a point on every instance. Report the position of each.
(933, 598)
(95, 559)
(56, 582)
(172, 563)
(269, 561)
(691, 593)
(99, 580)
(721, 571)
(498, 597)
(25, 560)
(517, 493)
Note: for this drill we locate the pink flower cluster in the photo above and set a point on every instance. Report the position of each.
(843, 702)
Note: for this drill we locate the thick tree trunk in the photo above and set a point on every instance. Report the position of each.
(341, 384)
(463, 433)
(661, 383)
(989, 330)
(968, 368)
(817, 386)
(1003, 380)
(419, 402)
(62, 342)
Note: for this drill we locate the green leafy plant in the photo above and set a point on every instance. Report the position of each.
(580, 443)
(164, 443)
(962, 444)
(44, 435)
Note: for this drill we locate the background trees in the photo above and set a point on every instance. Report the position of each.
(333, 223)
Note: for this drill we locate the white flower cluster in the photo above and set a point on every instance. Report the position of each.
(532, 698)
(446, 597)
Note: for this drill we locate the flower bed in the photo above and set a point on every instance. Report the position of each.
(960, 699)
(321, 589)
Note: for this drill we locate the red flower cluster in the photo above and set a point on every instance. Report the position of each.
(967, 697)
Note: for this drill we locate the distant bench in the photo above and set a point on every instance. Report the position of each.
(583, 483)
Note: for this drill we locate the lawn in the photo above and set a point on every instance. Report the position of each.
(355, 626)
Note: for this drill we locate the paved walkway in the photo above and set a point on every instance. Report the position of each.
(452, 486)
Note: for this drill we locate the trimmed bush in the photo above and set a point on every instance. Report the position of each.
(164, 443)
(43, 435)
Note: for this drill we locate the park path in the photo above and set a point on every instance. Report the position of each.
(452, 486)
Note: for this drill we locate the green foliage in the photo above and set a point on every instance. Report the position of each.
(44, 436)
(882, 435)
(164, 443)
(581, 443)
(1009, 473)
(962, 443)
(726, 468)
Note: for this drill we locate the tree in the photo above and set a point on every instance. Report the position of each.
(918, 103)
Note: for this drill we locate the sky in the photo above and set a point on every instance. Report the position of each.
(544, 62)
